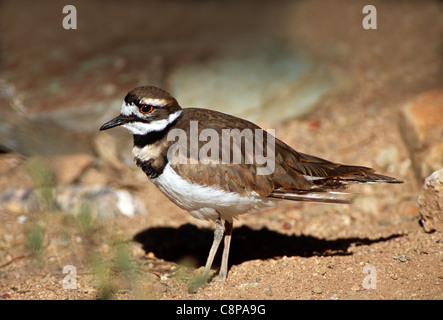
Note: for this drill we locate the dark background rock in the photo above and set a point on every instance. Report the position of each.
(96, 201)
(272, 67)
(28, 136)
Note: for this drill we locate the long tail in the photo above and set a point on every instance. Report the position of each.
(328, 189)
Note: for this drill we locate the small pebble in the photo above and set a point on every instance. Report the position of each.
(268, 291)
(355, 288)
(318, 289)
(402, 257)
(335, 296)
(248, 284)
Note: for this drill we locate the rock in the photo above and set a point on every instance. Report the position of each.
(430, 202)
(98, 201)
(268, 291)
(421, 126)
(248, 285)
(28, 136)
(402, 257)
(69, 168)
(17, 200)
(93, 176)
(355, 288)
(318, 289)
(335, 296)
(113, 148)
(264, 84)
(87, 117)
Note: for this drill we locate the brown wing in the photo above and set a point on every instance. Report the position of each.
(233, 176)
(294, 172)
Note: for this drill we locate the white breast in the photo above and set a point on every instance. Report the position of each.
(206, 202)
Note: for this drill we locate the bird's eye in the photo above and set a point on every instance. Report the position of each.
(146, 108)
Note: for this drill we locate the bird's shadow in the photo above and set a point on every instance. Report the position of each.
(189, 242)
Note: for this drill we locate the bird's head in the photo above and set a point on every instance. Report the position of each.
(146, 109)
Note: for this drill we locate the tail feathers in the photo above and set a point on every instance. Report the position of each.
(366, 177)
(353, 177)
(327, 190)
(321, 171)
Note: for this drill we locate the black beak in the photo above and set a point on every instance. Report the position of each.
(117, 121)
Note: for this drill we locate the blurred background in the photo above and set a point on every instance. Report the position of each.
(268, 62)
(307, 69)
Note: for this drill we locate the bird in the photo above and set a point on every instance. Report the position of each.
(188, 155)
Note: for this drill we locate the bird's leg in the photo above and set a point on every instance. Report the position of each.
(224, 265)
(218, 235)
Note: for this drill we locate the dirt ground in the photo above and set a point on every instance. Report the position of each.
(371, 249)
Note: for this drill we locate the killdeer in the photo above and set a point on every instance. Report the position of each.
(222, 190)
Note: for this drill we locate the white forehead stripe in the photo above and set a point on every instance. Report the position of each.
(154, 102)
(142, 128)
